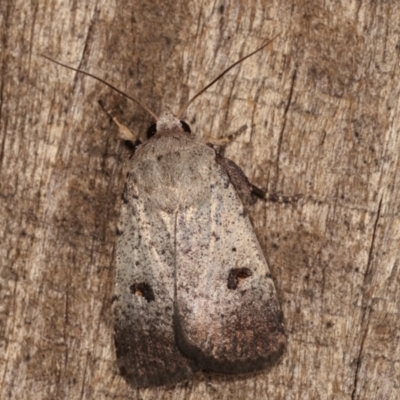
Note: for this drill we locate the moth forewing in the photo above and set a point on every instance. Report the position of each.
(227, 316)
(143, 305)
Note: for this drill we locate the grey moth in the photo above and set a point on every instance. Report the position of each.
(192, 289)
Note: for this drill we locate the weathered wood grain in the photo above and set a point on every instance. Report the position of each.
(318, 113)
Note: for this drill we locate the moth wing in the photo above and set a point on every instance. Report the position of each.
(144, 290)
(227, 316)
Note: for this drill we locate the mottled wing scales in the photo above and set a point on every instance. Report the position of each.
(144, 336)
(227, 316)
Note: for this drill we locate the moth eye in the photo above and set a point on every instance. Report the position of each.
(236, 275)
(151, 131)
(142, 290)
(185, 127)
(131, 146)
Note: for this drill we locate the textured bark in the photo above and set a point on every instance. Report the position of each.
(318, 115)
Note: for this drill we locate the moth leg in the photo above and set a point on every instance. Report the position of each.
(123, 132)
(245, 188)
(225, 140)
(239, 179)
(274, 197)
(217, 141)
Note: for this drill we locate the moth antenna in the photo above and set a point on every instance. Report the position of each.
(185, 107)
(138, 102)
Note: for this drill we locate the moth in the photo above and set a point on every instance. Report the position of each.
(192, 288)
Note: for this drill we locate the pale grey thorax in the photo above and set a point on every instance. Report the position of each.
(172, 169)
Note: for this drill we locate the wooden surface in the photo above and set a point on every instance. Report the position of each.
(318, 114)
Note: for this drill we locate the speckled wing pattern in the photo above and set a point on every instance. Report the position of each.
(227, 316)
(144, 291)
(193, 289)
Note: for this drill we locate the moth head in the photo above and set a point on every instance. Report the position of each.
(167, 123)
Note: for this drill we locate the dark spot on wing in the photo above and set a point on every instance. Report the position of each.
(236, 275)
(142, 290)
